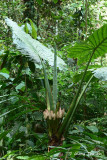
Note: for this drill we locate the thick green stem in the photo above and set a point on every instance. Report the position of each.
(86, 14)
(72, 106)
(77, 102)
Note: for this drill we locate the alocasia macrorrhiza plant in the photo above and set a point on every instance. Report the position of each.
(95, 46)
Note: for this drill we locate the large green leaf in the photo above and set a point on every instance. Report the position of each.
(101, 73)
(31, 47)
(96, 43)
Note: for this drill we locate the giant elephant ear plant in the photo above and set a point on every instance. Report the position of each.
(95, 46)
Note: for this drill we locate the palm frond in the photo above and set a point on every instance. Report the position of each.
(31, 47)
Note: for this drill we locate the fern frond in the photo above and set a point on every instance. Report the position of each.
(31, 47)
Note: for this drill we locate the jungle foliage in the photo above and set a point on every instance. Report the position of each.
(53, 80)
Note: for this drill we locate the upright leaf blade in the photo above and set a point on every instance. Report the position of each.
(34, 29)
(48, 90)
(26, 28)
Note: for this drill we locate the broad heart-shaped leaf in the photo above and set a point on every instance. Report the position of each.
(96, 43)
(31, 47)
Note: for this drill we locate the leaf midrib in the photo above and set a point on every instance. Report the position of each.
(99, 44)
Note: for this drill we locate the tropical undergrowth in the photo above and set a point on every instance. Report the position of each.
(24, 130)
(84, 141)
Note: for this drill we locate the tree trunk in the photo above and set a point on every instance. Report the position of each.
(86, 14)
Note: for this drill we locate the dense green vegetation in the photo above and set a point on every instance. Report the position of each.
(53, 80)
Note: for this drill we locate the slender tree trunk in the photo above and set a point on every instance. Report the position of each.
(98, 12)
(86, 14)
